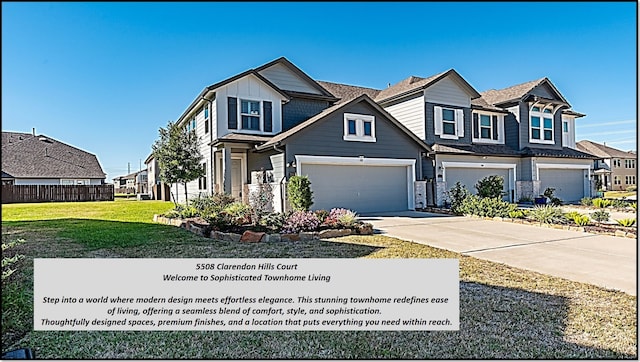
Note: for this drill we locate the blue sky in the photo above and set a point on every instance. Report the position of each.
(105, 77)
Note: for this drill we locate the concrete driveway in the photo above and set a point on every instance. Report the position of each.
(606, 261)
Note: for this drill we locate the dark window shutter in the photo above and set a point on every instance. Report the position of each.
(476, 126)
(232, 113)
(268, 117)
(495, 127)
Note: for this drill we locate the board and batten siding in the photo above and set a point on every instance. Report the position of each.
(447, 91)
(248, 88)
(285, 79)
(569, 138)
(270, 161)
(411, 114)
(325, 138)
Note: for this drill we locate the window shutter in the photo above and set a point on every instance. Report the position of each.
(437, 120)
(268, 118)
(476, 126)
(494, 124)
(232, 113)
(460, 122)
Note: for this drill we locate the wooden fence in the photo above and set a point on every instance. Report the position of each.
(56, 193)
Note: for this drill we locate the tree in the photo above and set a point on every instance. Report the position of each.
(299, 192)
(178, 155)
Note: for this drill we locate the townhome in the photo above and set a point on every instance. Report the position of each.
(616, 170)
(380, 150)
(277, 119)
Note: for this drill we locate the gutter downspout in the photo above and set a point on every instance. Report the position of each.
(284, 177)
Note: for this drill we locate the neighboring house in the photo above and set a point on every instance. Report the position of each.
(158, 190)
(524, 133)
(365, 148)
(276, 118)
(616, 170)
(30, 159)
(133, 183)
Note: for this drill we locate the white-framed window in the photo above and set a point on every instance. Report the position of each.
(565, 126)
(449, 122)
(540, 125)
(616, 162)
(630, 180)
(250, 114)
(74, 182)
(616, 180)
(202, 181)
(488, 127)
(206, 119)
(359, 127)
(629, 163)
(191, 124)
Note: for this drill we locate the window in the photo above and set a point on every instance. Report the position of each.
(541, 125)
(359, 127)
(202, 181)
(630, 180)
(485, 126)
(206, 119)
(630, 163)
(565, 127)
(250, 114)
(74, 182)
(449, 123)
(616, 180)
(616, 162)
(191, 124)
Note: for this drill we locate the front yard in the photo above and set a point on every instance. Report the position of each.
(505, 312)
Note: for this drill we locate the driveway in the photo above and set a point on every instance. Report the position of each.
(605, 261)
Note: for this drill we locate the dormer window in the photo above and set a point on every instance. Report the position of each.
(250, 114)
(359, 127)
(541, 125)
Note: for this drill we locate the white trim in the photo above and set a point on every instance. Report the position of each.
(499, 128)
(218, 169)
(540, 114)
(359, 119)
(410, 164)
(240, 114)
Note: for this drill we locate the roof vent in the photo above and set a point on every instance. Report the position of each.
(45, 139)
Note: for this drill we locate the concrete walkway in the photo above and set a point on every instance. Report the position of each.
(605, 261)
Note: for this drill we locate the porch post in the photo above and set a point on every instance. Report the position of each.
(226, 170)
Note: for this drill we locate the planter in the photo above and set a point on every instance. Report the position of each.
(540, 200)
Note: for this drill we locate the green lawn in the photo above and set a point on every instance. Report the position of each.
(505, 312)
(619, 194)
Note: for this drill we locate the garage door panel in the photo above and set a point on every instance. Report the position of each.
(568, 184)
(359, 188)
(469, 177)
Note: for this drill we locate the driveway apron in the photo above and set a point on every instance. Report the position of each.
(605, 261)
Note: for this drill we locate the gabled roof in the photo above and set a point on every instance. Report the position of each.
(481, 104)
(276, 140)
(285, 62)
(518, 92)
(27, 156)
(348, 92)
(603, 151)
(413, 84)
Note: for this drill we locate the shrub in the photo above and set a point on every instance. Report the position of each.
(548, 192)
(9, 261)
(619, 204)
(456, 195)
(300, 221)
(517, 214)
(632, 188)
(581, 220)
(260, 200)
(571, 215)
(601, 203)
(182, 212)
(341, 218)
(600, 216)
(273, 221)
(237, 214)
(546, 214)
(322, 215)
(491, 187)
(634, 205)
(525, 199)
(626, 222)
(486, 207)
(586, 201)
(299, 193)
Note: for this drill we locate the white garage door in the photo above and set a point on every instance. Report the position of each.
(362, 188)
(469, 177)
(569, 184)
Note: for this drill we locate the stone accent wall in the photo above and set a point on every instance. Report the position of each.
(441, 189)
(420, 192)
(524, 189)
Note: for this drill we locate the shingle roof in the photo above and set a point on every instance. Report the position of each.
(476, 149)
(565, 152)
(481, 103)
(414, 83)
(28, 156)
(348, 92)
(240, 137)
(515, 92)
(603, 151)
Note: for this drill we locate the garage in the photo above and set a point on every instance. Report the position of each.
(362, 185)
(469, 175)
(569, 183)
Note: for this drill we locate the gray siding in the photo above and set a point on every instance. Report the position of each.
(428, 169)
(511, 131)
(430, 125)
(524, 130)
(543, 90)
(270, 161)
(325, 138)
(449, 92)
(298, 110)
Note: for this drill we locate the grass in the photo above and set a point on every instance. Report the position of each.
(505, 312)
(619, 194)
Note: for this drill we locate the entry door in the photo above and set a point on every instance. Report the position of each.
(236, 179)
